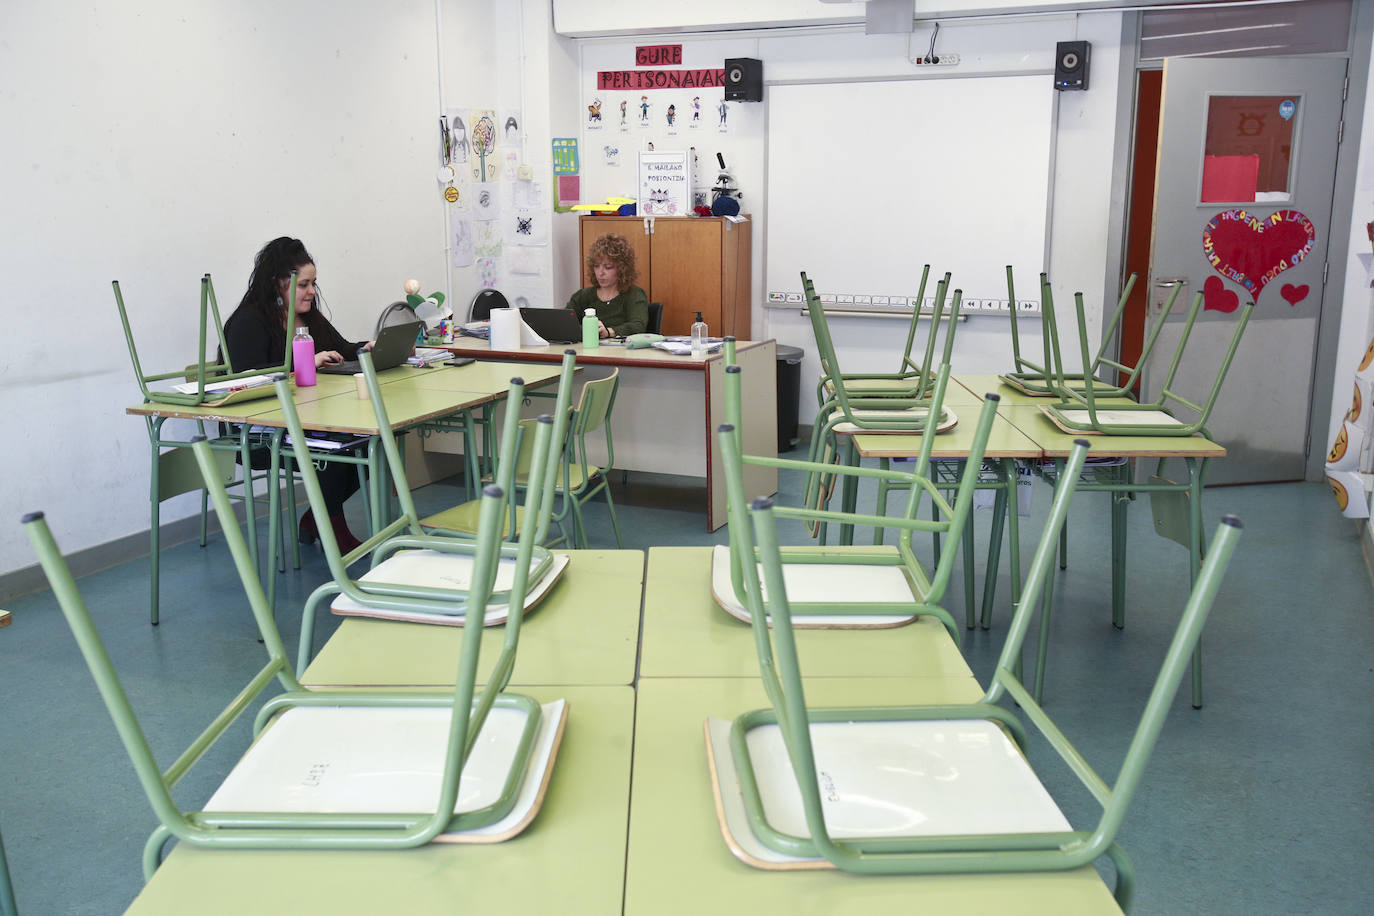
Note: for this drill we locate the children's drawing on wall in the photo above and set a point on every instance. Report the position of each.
(487, 238)
(458, 133)
(644, 111)
(695, 122)
(671, 117)
(529, 193)
(723, 110)
(594, 115)
(527, 228)
(486, 201)
(486, 272)
(460, 229)
(510, 129)
(624, 114)
(525, 263)
(483, 139)
(611, 152)
(1252, 250)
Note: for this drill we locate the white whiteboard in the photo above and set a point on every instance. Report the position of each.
(868, 181)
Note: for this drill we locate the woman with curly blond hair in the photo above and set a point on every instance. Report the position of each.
(621, 307)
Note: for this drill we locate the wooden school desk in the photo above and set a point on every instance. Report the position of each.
(668, 407)
(586, 631)
(570, 860)
(679, 865)
(686, 634)
(413, 396)
(1179, 514)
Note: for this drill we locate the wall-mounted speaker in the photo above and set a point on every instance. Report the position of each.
(743, 79)
(1071, 65)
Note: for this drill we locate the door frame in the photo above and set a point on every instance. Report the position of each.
(1342, 206)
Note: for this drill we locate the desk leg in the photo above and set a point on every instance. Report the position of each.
(1196, 470)
(1043, 648)
(155, 521)
(1120, 503)
(968, 563)
(274, 532)
(1004, 510)
(849, 490)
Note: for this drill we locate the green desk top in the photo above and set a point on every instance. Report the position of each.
(1004, 441)
(1058, 444)
(678, 862)
(585, 632)
(571, 860)
(480, 376)
(686, 634)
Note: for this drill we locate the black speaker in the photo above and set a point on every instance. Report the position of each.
(1071, 65)
(743, 79)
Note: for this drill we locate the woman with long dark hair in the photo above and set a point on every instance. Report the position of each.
(256, 337)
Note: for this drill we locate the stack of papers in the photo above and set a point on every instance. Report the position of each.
(238, 384)
(426, 355)
(682, 346)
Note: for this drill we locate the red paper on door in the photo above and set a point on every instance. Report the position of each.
(1229, 179)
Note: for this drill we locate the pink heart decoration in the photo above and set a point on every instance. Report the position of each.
(1252, 250)
(1294, 294)
(1217, 298)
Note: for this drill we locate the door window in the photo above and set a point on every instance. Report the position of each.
(1248, 148)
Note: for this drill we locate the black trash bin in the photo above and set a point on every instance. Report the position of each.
(789, 394)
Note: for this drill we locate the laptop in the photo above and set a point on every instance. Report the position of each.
(394, 344)
(557, 326)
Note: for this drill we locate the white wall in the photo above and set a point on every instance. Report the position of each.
(178, 140)
(1084, 133)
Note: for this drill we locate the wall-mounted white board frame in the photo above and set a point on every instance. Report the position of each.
(852, 201)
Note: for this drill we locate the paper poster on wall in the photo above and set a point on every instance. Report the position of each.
(486, 201)
(1252, 250)
(644, 107)
(458, 135)
(564, 155)
(527, 228)
(611, 154)
(665, 183)
(594, 117)
(487, 273)
(529, 194)
(487, 238)
(460, 231)
(670, 115)
(524, 262)
(723, 115)
(695, 122)
(510, 127)
(624, 115)
(569, 189)
(525, 292)
(483, 138)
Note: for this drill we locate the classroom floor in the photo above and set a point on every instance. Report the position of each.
(1259, 803)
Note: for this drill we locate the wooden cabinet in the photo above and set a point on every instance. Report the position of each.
(689, 263)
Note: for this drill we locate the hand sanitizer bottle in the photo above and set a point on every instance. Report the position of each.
(698, 337)
(303, 357)
(591, 330)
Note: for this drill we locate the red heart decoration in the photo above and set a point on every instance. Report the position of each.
(1294, 294)
(1217, 298)
(1252, 250)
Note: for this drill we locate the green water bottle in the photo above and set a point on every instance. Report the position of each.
(591, 330)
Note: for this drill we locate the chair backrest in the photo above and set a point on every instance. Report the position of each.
(949, 519)
(393, 314)
(285, 829)
(783, 682)
(484, 302)
(202, 371)
(655, 323)
(594, 412)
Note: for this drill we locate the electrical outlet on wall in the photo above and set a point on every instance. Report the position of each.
(941, 59)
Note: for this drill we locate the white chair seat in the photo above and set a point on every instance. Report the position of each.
(369, 760)
(948, 420)
(437, 569)
(883, 779)
(1117, 417)
(830, 583)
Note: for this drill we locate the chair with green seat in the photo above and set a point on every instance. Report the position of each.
(420, 573)
(924, 789)
(172, 467)
(1040, 380)
(912, 379)
(849, 586)
(343, 768)
(581, 477)
(1080, 409)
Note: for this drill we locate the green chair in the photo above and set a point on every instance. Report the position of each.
(173, 470)
(8, 907)
(311, 779)
(848, 586)
(418, 574)
(907, 380)
(1078, 409)
(933, 789)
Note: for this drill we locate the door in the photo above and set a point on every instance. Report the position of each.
(1257, 135)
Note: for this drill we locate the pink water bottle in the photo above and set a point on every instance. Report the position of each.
(303, 357)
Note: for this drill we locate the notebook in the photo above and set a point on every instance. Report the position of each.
(393, 345)
(554, 325)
